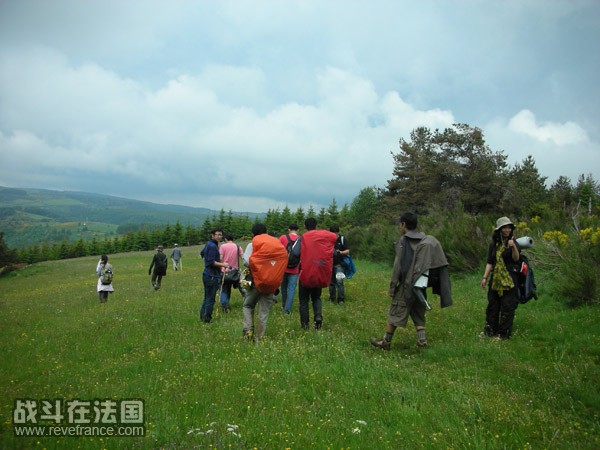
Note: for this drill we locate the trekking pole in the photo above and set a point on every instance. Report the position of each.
(219, 295)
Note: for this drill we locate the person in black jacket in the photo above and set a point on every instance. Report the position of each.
(337, 274)
(503, 253)
(159, 262)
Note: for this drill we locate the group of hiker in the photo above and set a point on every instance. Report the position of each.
(319, 258)
(272, 266)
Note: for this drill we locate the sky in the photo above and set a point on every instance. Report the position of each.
(255, 105)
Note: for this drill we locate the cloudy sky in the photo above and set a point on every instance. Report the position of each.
(250, 105)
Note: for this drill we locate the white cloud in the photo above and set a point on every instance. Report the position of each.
(567, 153)
(558, 133)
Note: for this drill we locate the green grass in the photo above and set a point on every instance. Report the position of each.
(295, 389)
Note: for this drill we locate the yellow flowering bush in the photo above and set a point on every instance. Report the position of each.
(536, 219)
(556, 237)
(523, 228)
(591, 236)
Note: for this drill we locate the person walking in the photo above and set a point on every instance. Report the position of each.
(266, 257)
(290, 278)
(176, 257)
(337, 292)
(104, 270)
(501, 277)
(316, 264)
(416, 254)
(159, 264)
(230, 253)
(211, 276)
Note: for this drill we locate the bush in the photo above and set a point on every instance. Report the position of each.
(573, 262)
(374, 242)
(460, 234)
(462, 237)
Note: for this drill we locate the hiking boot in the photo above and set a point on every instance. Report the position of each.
(381, 343)
(248, 335)
(421, 344)
(304, 326)
(318, 324)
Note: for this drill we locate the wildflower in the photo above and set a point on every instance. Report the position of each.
(361, 422)
(356, 430)
(556, 237)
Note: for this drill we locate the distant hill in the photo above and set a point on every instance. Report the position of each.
(29, 216)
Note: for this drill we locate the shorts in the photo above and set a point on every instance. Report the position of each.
(401, 309)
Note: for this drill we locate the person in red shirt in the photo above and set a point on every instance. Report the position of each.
(290, 278)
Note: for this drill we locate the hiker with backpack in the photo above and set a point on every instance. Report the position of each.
(290, 277)
(338, 273)
(315, 249)
(417, 254)
(159, 263)
(267, 259)
(104, 270)
(501, 276)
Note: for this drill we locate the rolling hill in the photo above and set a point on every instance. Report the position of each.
(28, 215)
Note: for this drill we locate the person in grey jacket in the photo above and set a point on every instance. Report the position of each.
(417, 255)
(176, 257)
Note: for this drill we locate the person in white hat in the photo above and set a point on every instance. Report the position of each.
(501, 279)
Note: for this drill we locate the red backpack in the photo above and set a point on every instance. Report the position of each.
(268, 262)
(316, 258)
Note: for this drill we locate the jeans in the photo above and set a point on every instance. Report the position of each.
(314, 294)
(211, 287)
(337, 283)
(225, 294)
(288, 289)
(265, 303)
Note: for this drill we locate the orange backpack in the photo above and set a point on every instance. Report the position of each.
(268, 262)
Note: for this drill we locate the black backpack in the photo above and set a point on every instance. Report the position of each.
(293, 260)
(526, 287)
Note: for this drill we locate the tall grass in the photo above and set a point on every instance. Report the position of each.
(205, 387)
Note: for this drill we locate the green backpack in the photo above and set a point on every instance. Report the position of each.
(106, 275)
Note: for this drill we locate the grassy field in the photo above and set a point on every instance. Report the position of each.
(205, 387)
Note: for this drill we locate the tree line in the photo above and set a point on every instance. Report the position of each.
(439, 175)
